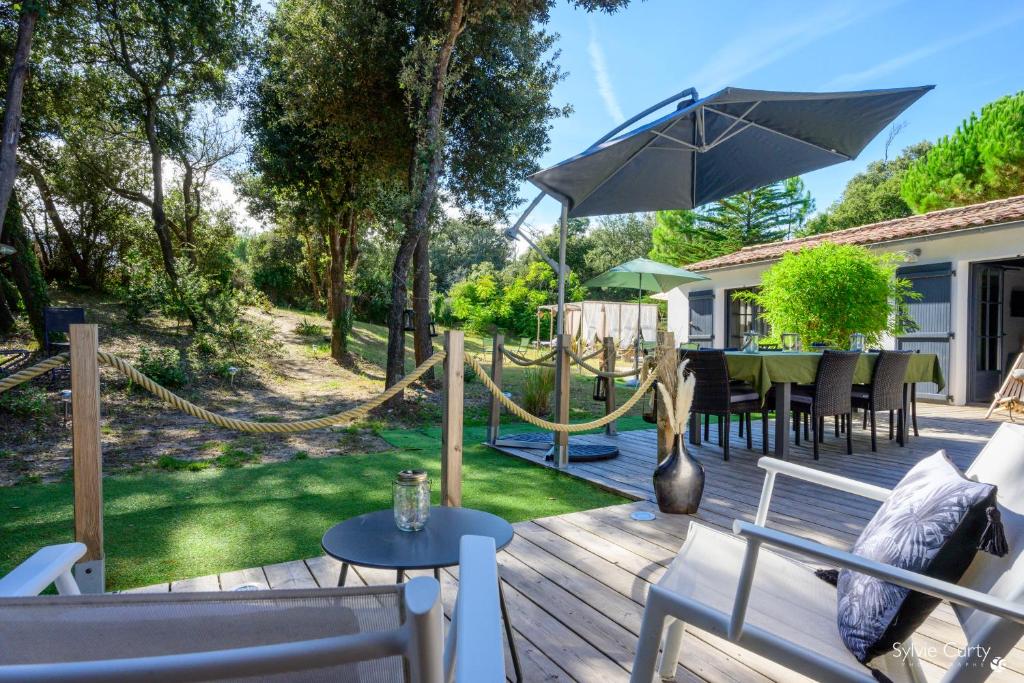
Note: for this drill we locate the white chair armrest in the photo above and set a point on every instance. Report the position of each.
(51, 564)
(918, 582)
(774, 466)
(832, 481)
(475, 645)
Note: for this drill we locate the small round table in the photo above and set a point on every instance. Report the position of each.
(373, 540)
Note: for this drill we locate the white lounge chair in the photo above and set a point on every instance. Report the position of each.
(373, 633)
(728, 585)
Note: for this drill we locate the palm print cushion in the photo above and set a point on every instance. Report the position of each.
(931, 524)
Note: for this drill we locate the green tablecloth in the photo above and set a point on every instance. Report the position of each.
(761, 369)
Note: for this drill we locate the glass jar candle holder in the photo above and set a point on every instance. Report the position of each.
(857, 342)
(790, 341)
(411, 495)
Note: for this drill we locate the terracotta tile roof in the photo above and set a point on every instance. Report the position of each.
(946, 220)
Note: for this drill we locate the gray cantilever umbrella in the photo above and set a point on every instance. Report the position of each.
(730, 142)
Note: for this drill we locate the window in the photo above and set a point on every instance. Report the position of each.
(744, 317)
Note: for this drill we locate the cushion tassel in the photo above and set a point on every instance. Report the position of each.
(828, 575)
(993, 540)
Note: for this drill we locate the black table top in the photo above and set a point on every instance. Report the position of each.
(373, 540)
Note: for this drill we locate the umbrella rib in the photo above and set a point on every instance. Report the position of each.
(615, 172)
(725, 134)
(780, 133)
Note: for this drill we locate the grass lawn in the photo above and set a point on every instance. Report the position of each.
(161, 526)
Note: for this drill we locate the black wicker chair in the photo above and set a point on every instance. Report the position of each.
(885, 391)
(828, 396)
(715, 395)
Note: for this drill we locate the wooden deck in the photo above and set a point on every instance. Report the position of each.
(577, 582)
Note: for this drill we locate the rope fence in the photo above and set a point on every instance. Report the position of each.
(526, 416)
(582, 362)
(353, 414)
(189, 408)
(523, 361)
(29, 374)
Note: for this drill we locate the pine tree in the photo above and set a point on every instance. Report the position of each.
(767, 214)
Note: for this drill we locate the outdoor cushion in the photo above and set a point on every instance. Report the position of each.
(747, 396)
(932, 523)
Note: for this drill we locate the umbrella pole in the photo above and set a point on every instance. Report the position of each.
(639, 330)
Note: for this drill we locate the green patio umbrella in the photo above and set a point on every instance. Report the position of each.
(643, 275)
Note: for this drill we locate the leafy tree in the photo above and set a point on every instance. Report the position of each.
(871, 196)
(617, 239)
(489, 300)
(165, 58)
(327, 114)
(459, 243)
(982, 160)
(456, 45)
(766, 214)
(828, 292)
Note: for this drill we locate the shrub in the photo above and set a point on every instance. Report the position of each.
(308, 328)
(167, 462)
(26, 401)
(827, 293)
(538, 383)
(163, 366)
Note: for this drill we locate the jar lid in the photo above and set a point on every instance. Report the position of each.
(412, 476)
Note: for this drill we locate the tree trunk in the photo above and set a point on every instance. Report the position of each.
(314, 275)
(85, 275)
(12, 110)
(341, 232)
(156, 154)
(25, 269)
(425, 167)
(6, 314)
(189, 216)
(422, 343)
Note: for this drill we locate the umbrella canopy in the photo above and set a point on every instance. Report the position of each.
(644, 274)
(730, 142)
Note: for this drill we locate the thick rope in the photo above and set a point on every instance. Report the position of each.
(522, 413)
(31, 373)
(525, 362)
(581, 361)
(192, 409)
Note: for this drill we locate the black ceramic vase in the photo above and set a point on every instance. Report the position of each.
(679, 481)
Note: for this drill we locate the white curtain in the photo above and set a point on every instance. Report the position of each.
(573, 316)
(591, 326)
(611, 321)
(649, 322)
(627, 325)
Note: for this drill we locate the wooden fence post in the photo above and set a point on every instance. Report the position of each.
(560, 454)
(451, 419)
(497, 365)
(609, 398)
(667, 361)
(87, 456)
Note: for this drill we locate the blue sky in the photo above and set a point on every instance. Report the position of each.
(618, 65)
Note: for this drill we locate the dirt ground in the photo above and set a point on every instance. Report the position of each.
(294, 379)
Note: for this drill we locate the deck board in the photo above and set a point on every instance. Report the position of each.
(576, 583)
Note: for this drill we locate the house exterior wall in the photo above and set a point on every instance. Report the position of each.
(960, 248)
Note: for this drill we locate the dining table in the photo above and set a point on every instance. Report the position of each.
(780, 370)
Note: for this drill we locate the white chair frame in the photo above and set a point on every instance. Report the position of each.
(665, 608)
(474, 651)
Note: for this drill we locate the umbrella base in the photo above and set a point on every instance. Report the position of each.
(578, 452)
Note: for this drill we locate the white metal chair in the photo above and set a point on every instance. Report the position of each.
(728, 585)
(372, 633)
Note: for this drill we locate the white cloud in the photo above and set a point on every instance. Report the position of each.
(873, 73)
(604, 82)
(752, 50)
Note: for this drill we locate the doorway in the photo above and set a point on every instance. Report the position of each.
(997, 324)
